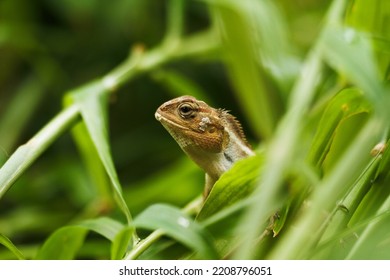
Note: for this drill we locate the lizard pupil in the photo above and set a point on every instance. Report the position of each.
(186, 110)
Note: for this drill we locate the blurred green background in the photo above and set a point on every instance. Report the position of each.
(48, 48)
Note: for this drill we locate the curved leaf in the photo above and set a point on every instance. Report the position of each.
(65, 242)
(234, 185)
(245, 34)
(347, 103)
(179, 226)
(104, 226)
(92, 100)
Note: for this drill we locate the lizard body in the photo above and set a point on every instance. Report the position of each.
(211, 137)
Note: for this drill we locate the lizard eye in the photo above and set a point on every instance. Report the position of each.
(186, 110)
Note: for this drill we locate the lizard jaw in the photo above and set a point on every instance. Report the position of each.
(163, 120)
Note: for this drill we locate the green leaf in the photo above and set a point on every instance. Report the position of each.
(375, 235)
(233, 186)
(63, 244)
(378, 192)
(282, 214)
(372, 17)
(341, 215)
(92, 100)
(121, 243)
(104, 226)
(347, 103)
(178, 226)
(26, 154)
(92, 161)
(10, 246)
(346, 130)
(240, 26)
(351, 54)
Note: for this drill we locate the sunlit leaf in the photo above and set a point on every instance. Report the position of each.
(347, 103)
(65, 242)
(375, 235)
(233, 186)
(104, 226)
(92, 100)
(174, 223)
(372, 17)
(237, 22)
(351, 54)
(121, 243)
(92, 161)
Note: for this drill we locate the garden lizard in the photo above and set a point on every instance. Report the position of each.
(212, 138)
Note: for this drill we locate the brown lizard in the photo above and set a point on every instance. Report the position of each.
(212, 138)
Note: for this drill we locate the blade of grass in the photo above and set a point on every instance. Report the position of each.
(353, 162)
(190, 209)
(65, 242)
(10, 246)
(234, 22)
(296, 243)
(369, 231)
(26, 154)
(341, 215)
(351, 54)
(92, 100)
(345, 104)
(280, 152)
(107, 227)
(174, 223)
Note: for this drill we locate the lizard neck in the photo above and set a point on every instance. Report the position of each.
(215, 164)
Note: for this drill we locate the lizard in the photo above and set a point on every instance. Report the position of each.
(212, 138)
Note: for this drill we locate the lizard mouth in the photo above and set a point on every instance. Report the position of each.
(165, 120)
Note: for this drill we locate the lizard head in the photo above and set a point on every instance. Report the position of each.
(193, 124)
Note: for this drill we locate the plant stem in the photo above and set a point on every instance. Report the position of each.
(175, 21)
(140, 61)
(26, 154)
(144, 244)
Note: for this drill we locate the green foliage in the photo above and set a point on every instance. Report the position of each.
(311, 85)
(172, 222)
(232, 187)
(10, 246)
(92, 103)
